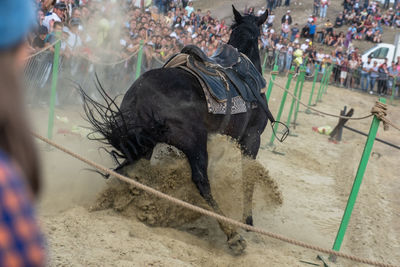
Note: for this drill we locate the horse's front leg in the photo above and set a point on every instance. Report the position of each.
(195, 149)
(250, 144)
(198, 163)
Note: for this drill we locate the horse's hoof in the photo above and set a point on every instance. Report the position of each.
(237, 244)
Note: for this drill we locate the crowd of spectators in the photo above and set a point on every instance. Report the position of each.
(115, 29)
(288, 44)
(110, 29)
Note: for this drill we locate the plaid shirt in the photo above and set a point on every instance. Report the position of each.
(21, 243)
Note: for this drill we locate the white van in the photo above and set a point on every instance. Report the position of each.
(381, 51)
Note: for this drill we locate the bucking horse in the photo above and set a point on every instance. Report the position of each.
(187, 99)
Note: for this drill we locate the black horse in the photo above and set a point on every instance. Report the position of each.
(168, 106)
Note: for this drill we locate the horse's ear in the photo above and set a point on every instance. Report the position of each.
(238, 17)
(262, 18)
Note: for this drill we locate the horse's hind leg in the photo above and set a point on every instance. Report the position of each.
(196, 152)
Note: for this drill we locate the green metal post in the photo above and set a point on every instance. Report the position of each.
(319, 95)
(303, 77)
(54, 80)
(393, 87)
(139, 60)
(327, 79)
(264, 62)
(313, 85)
(294, 98)
(271, 82)
(357, 181)
(278, 117)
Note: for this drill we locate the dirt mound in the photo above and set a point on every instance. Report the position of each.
(169, 172)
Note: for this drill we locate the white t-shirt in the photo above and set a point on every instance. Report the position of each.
(189, 9)
(320, 56)
(73, 41)
(367, 66)
(304, 47)
(48, 18)
(285, 28)
(270, 19)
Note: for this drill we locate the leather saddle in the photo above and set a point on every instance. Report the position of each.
(226, 55)
(227, 70)
(226, 75)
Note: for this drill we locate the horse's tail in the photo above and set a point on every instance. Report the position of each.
(111, 126)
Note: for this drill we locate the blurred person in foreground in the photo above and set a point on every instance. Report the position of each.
(21, 243)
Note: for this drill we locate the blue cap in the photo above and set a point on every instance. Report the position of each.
(17, 19)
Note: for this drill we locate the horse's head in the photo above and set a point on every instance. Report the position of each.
(245, 34)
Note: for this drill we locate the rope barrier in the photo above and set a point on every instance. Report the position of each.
(109, 63)
(379, 110)
(210, 213)
(84, 57)
(42, 50)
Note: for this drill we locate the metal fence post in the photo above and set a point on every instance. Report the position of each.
(303, 77)
(54, 86)
(357, 183)
(271, 82)
(278, 117)
(264, 63)
(325, 89)
(292, 105)
(139, 60)
(319, 95)
(313, 85)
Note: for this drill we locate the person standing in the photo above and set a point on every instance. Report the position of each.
(365, 69)
(313, 30)
(316, 7)
(323, 8)
(382, 79)
(285, 29)
(21, 243)
(373, 75)
(287, 17)
(393, 77)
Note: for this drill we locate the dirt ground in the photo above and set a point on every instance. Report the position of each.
(314, 178)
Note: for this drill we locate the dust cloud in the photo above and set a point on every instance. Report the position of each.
(169, 172)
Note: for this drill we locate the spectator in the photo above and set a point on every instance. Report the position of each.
(270, 19)
(287, 17)
(394, 78)
(373, 75)
(39, 41)
(285, 29)
(21, 243)
(382, 79)
(324, 8)
(365, 71)
(189, 8)
(58, 14)
(313, 29)
(316, 7)
(339, 21)
(343, 71)
(294, 32)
